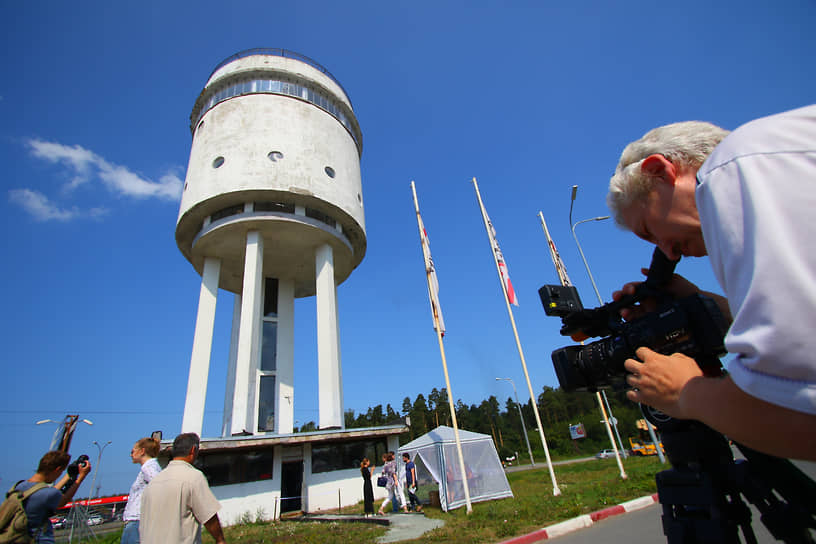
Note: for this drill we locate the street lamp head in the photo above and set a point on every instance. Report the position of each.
(574, 191)
(88, 421)
(40, 422)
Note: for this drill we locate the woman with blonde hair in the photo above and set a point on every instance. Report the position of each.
(144, 452)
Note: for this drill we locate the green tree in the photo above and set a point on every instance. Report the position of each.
(390, 415)
(419, 416)
(433, 406)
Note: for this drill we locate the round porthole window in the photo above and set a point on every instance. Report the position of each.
(329, 171)
(275, 156)
(218, 162)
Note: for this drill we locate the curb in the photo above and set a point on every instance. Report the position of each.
(582, 522)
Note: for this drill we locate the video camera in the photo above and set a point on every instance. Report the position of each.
(693, 326)
(703, 495)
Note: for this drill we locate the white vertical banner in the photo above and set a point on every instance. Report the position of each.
(560, 269)
(439, 326)
(491, 235)
(433, 281)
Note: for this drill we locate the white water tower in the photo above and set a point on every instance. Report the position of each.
(272, 210)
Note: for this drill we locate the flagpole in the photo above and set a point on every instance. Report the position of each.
(438, 328)
(556, 491)
(562, 276)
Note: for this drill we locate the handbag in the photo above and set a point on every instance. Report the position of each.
(382, 481)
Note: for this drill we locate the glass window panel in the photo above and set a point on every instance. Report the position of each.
(269, 346)
(274, 207)
(340, 456)
(266, 404)
(236, 467)
(226, 212)
(270, 296)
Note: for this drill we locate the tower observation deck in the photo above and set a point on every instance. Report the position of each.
(272, 210)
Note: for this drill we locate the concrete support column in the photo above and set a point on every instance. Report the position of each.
(193, 418)
(246, 364)
(328, 342)
(285, 364)
(226, 426)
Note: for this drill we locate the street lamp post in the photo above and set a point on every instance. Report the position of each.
(523, 426)
(598, 294)
(65, 430)
(96, 469)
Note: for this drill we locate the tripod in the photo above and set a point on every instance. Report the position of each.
(704, 494)
(78, 519)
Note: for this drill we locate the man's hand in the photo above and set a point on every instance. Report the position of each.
(84, 469)
(675, 385)
(213, 526)
(678, 287)
(659, 380)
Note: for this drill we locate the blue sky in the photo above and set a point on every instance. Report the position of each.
(528, 97)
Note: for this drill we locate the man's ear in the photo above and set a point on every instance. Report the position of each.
(659, 167)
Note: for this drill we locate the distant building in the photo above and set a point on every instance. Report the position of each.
(272, 210)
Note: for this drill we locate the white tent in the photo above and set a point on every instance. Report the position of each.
(437, 455)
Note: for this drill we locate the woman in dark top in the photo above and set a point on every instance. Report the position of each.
(368, 491)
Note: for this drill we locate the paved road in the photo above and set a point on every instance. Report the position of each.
(639, 527)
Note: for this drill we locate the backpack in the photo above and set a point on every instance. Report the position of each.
(13, 518)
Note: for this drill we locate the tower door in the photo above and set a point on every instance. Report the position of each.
(291, 485)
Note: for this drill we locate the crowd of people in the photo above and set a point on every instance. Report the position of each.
(172, 505)
(397, 480)
(169, 505)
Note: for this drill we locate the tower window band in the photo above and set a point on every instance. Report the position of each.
(278, 86)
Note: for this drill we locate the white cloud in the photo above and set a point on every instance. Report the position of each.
(38, 205)
(84, 166)
(121, 180)
(79, 160)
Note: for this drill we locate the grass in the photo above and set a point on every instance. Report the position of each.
(585, 487)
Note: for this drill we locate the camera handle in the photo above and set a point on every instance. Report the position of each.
(661, 270)
(606, 319)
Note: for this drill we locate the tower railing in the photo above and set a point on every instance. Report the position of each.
(278, 52)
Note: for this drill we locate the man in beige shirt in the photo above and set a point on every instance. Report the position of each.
(178, 500)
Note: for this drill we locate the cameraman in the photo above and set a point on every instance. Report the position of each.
(748, 201)
(42, 504)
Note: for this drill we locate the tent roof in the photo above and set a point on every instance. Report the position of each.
(443, 435)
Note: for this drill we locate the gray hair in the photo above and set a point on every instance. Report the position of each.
(184, 443)
(686, 145)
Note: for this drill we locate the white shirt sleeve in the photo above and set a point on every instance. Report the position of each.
(757, 205)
